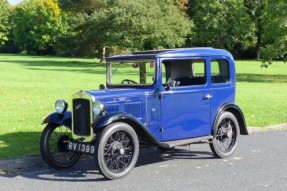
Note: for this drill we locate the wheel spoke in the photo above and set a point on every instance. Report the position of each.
(224, 139)
(118, 151)
(56, 140)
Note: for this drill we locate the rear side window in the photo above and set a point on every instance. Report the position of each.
(198, 68)
(219, 71)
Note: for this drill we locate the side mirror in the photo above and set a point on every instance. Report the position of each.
(102, 87)
(166, 86)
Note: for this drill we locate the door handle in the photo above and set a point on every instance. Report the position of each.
(207, 97)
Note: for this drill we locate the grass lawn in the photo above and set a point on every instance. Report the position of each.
(30, 85)
(262, 92)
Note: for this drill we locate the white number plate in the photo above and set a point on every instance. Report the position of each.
(81, 147)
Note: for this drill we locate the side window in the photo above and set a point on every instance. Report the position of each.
(219, 71)
(184, 72)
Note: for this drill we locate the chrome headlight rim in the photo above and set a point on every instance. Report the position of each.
(61, 106)
(98, 108)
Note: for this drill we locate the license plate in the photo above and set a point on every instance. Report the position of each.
(81, 147)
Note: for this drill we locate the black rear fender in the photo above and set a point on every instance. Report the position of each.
(236, 111)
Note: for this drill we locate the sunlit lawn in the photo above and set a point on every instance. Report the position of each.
(30, 85)
(262, 93)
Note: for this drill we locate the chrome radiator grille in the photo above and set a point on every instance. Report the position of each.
(81, 117)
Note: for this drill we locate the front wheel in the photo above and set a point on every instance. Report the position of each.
(225, 135)
(53, 147)
(117, 150)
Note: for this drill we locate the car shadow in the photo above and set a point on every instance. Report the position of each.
(155, 155)
(86, 171)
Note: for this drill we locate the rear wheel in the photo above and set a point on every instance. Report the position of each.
(117, 150)
(53, 147)
(225, 135)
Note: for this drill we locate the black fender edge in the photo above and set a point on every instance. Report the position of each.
(236, 111)
(61, 119)
(145, 137)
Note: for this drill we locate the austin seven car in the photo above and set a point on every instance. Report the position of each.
(157, 98)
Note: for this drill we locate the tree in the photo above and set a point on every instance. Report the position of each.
(5, 11)
(82, 6)
(222, 24)
(270, 19)
(255, 9)
(136, 25)
(76, 14)
(37, 26)
(274, 35)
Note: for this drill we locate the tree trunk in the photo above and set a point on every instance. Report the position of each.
(259, 39)
(142, 69)
(103, 55)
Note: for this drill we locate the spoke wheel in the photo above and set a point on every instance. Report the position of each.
(53, 147)
(225, 136)
(117, 150)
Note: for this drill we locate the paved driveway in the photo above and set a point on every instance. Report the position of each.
(260, 163)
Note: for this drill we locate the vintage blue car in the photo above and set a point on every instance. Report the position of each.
(162, 98)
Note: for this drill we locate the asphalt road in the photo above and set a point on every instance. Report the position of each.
(260, 163)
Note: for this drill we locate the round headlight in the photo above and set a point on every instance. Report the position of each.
(98, 108)
(61, 106)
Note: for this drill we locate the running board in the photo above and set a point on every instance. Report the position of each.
(172, 144)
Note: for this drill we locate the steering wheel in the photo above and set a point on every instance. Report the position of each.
(128, 81)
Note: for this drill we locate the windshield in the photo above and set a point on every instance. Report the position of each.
(131, 73)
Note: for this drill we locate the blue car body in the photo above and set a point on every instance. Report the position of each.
(180, 112)
(163, 98)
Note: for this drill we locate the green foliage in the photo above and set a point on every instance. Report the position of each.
(5, 11)
(270, 19)
(76, 14)
(82, 6)
(222, 24)
(274, 34)
(70, 44)
(136, 25)
(94, 27)
(37, 26)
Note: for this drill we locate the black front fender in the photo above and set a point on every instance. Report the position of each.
(143, 133)
(105, 120)
(61, 119)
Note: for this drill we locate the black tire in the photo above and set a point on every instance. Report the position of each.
(54, 149)
(225, 135)
(117, 150)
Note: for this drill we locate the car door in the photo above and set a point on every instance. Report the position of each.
(185, 102)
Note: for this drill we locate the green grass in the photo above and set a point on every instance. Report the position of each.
(262, 92)
(30, 85)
